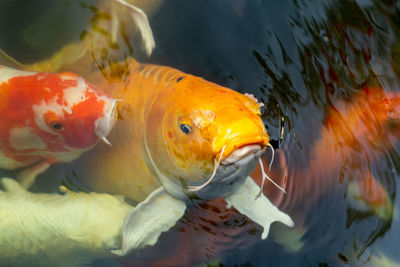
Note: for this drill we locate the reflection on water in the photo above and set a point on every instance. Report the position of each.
(328, 74)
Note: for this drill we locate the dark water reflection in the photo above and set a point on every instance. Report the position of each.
(306, 60)
(302, 58)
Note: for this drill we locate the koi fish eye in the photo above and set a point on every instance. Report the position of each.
(391, 113)
(185, 128)
(56, 126)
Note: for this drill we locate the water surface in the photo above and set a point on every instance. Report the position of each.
(303, 59)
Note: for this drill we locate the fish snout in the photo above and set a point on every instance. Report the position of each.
(241, 153)
(104, 125)
(239, 139)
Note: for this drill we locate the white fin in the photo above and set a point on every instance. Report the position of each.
(145, 223)
(142, 22)
(105, 140)
(11, 186)
(259, 210)
(290, 239)
(28, 176)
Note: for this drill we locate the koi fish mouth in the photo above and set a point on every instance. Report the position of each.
(230, 172)
(240, 153)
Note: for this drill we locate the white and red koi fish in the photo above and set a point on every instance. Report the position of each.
(48, 118)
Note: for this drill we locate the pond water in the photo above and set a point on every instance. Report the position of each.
(326, 72)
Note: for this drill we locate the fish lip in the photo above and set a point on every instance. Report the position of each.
(242, 152)
(238, 142)
(104, 125)
(229, 177)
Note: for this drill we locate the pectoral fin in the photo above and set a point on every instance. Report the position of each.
(145, 223)
(27, 176)
(259, 210)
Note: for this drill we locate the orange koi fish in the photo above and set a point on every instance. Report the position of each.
(48, 118)
(365, 125)
(372, 117)
(180, 139)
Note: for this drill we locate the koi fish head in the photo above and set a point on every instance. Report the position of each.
(374, 115)
(386, 107)
(203, 139)
(53, 116)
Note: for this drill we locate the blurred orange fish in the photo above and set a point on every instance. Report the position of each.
(364, 126)
(353, 130)
(48, 118)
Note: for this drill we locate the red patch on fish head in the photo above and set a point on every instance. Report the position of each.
(385, 108)
(80, 125)
(18, 95)
(60, 109)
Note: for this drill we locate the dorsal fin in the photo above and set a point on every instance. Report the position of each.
(66, 56)
(159, 74)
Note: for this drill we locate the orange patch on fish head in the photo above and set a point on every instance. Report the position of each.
(383, 113)
(183, 152)
(385, 105)
(371, 115)
(237, 124)
(388, 110)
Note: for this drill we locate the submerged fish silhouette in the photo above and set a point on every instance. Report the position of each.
(370, 124)
(179, 139)
(48, 118)
(356, 135)
(365, 125)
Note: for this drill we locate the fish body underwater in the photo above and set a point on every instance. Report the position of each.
(173, 121)
(179, 139)
(358, 130)
(48, 118)
(371, 117)
(50, 229)
(356, 135)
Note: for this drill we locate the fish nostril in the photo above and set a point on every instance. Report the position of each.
(254, 106)
(202, 118)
